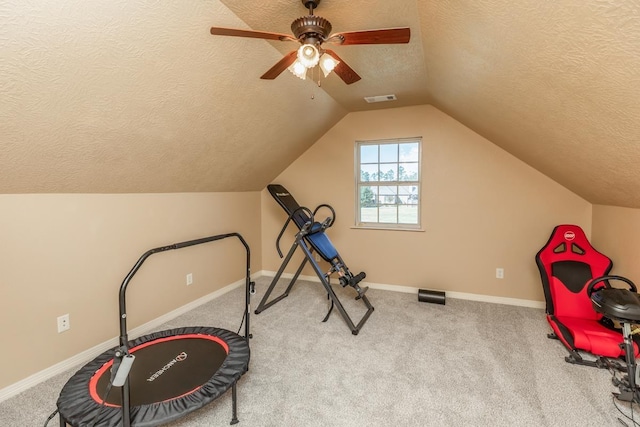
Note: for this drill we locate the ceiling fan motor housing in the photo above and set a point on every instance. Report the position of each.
(311, 27)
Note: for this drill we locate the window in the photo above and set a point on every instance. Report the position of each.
(388, 183)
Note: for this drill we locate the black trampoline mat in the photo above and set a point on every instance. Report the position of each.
(164, 369)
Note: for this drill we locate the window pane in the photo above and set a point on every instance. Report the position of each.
(408, 214)
(408, 172)
(388, 190)
(388, 153)
(388, 171)
(388, 214)
(369, 154)
(369, 214)
(410, 152)
(408, 194)
(368, 203)
(368, 196)
(388, 195)
(368, 173)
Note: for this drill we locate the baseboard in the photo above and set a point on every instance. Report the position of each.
(411, 290)
(87, 355)
(497, 300)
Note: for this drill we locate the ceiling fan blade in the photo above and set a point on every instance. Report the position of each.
(388, 36)
(280, 66)
(219, 31)
(343, 71)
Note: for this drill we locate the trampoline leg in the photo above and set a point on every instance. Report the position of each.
(63, 423)
(234, 405)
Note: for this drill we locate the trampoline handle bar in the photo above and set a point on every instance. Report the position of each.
(123, 350)
(147, 254)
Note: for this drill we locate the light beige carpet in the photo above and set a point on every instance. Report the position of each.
(413, 364)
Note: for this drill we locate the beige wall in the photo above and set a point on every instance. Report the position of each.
(481, 208)
(616, 233)
(70, 253)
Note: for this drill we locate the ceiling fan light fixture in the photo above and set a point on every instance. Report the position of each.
(308, 55)
(327, 64)
(298, 69)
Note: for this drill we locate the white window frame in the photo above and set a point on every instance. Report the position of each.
(359, 223)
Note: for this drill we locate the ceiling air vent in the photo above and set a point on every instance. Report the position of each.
(380, 98)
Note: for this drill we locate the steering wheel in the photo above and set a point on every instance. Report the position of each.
(605, 281)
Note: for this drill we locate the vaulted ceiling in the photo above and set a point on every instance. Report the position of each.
(137, 96)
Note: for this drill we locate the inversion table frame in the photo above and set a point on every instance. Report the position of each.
(310, 238)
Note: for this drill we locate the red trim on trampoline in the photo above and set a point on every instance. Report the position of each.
(94, 379)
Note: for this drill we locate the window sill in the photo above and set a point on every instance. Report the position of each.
(383, 228)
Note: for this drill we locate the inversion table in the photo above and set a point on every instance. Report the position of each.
(311, 237)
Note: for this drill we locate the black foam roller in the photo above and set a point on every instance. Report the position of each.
(434, 297)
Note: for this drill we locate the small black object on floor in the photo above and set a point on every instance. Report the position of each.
(434, 297)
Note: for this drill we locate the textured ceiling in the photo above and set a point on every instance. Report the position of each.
(125, 96)
(555, 83)
(137, 96)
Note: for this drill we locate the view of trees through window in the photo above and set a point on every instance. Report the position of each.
(389, 182)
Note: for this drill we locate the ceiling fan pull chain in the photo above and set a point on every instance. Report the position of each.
(313, 78)
(313, 75)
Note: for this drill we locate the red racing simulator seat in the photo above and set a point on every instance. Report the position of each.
(567, 264)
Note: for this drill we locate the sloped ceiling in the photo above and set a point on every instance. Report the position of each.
(555, 83)
(137, 96)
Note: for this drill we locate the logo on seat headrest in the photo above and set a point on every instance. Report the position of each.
(569, 235)
(282, 194)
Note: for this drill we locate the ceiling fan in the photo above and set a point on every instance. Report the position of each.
(312, 32)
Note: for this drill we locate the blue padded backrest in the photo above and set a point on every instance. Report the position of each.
(322, 245)
(319, 241)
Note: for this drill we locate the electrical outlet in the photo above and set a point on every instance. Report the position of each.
(318, 258)
(63, 323)
(499, 273)
(189, 279)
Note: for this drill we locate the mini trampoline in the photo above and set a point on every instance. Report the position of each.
(161, 376)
